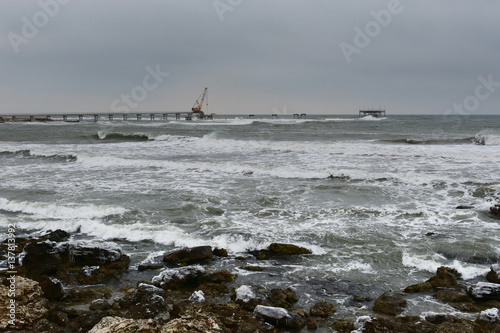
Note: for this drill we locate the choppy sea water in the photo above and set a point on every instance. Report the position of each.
(374, 199)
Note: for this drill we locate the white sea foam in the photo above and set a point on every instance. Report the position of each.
(59, 211)
(488, 137)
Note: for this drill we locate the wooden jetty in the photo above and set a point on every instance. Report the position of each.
(96, 116)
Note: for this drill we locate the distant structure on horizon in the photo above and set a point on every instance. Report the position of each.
(377, 113)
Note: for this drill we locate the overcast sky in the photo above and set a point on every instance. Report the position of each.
(255, 56)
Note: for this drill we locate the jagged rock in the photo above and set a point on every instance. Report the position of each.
(179, 277)
(322, 309)
(79, 262)
(99, 305)
(490, 315)
(279, 317)
(283, 298)
(197, 296)
(452, 295)
(191, 255)
(147, 302)
(485, 291)
(21, 303)
(416, 324)
(124, 325)
(287, 249)
(58, 317)
(391, 303)
(495, 209)
(145, 267)
(85, 295)
(445, 278)
(344, 325)
(220, 252)
(419, 288)
(494, 274)
(52, 287)
(57, 236)
(252, 268)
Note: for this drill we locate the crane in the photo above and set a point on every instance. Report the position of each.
(199, 102)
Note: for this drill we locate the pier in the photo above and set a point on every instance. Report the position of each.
(377, 113)
(96, 116)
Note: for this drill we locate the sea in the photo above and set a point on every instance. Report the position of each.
(380, 202)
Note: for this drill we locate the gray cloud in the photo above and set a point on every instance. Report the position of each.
(263, 55)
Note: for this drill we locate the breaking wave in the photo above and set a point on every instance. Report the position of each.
(487, 138)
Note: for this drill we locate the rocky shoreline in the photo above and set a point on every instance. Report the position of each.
(67, 285)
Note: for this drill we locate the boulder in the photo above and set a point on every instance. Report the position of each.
(56, 236)
(391, 303)
(279, 317)
(495, 210)
(191, 255)
(287, 249)
(419, 288)
(88, 253)
(44, 258)
(283, 298)
(322, 309)
(485, 291)
(26, 308)
(147, 302)
(179, 277)
(445, 278)
(494, 274)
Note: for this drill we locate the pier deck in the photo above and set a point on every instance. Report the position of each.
(96, 116)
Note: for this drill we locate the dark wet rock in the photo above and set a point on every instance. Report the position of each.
(419, 288)
(58, 317)
(46, 326)
(44, 258)
(344, 325)
(83, 321)
(99, 305)
(57, 236)
(220, 252)
(85, 295)
(218, 277)
(145, 267)
(322, 309)
(452, 295)
(485, 291)
(287, 249)
(124, 325)
(252, 268)
(465, 207)
(52, 287)
(283, 298)
(445, 278)
(391, 303)
(148, 301)
(494, 274)
(448, 324)
(495, 210)
(279, 317)
(179, 277)
(191, 255)
(74, 263)
(30, 306)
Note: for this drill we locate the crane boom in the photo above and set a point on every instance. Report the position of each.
(198, 105)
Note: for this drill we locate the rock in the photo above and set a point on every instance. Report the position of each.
(464, 207)
(197, 296)
(52, 287)
(57, 236)
(494, 274)
(124, 325)
(220, 252)
(191, 255)
(44, 258)
(99, 305)
(252, 268)
(244, 293)
(26, 308)
(144, 267)
(287, 249)
(283, 298)
(452, 295)
(416, 324)
(147, 302)
(391, 303)
(85, 295)
(322, 309)
(445, 278)
(279, 317)
(344, 325)
(87, 253)
(419, 288)
(179, 277)
(58, 317)
(495, 210)
(485, 291)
